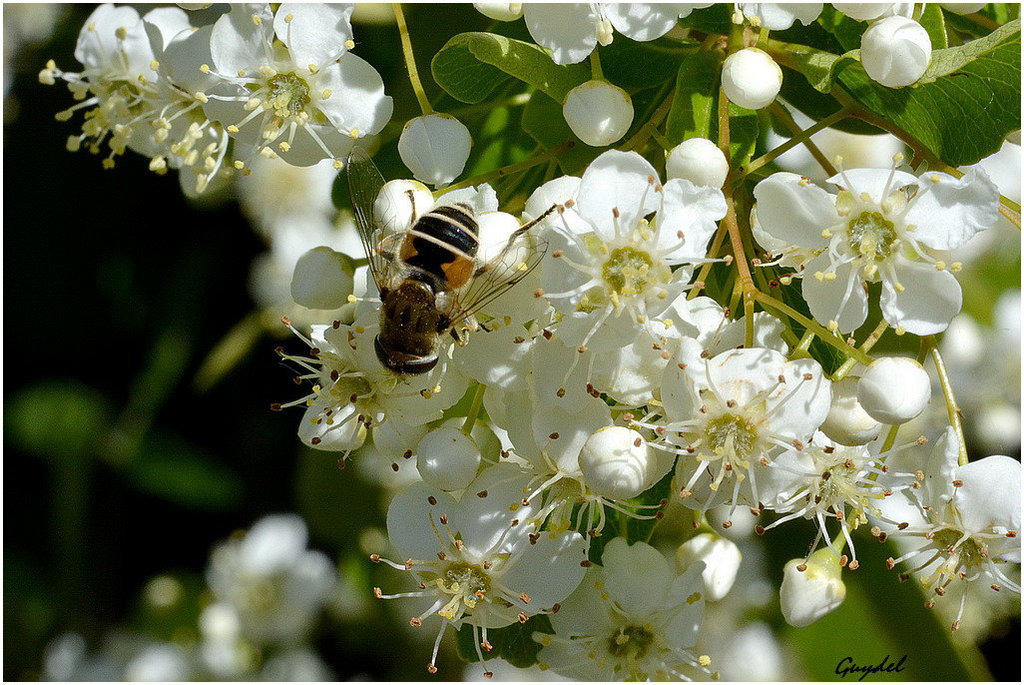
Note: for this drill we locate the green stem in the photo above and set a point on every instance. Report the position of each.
(783, 115)
(819, 330)
(514, 168)
(952, 410)
(772, 155)
(869, 342)
(595, 67)
(410, 60)
(474, 408)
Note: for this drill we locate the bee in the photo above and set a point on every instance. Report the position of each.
(430, 279)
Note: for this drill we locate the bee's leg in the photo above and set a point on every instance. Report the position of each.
(519, 231)
(412, 201)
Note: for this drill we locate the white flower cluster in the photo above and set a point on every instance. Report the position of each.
(599, 381)
(267, 590)
(207, 100)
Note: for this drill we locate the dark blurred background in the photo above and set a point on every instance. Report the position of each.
(116, 467)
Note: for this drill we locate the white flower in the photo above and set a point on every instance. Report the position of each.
(847, 423)
(880, 226)
(777, 16)
(967, 522)
(476, 560)
(894, 390)
(751, 78)
(895, 51)
(728, 416)
(826, 481)
(699, 161)
(435, 147)
(306, 98)
(811, 588)
(572, 30)
(598, 112)
(721, 558)
(447, 458)
(632, 619)
(271, 581)
(352, 390)
(611, 268)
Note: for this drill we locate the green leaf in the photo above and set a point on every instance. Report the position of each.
(966, 104)
(744, 130)
(174, 469)
(471, 66)
(932, 21)
(631, 64)
(798, 93)
(817, 66)
(847, 31)
(693, 106)
(514, 643)
(543, 120)
(61, 418)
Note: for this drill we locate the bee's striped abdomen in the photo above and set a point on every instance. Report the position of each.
(443, 242)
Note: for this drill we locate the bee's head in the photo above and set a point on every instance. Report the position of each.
(402, 363)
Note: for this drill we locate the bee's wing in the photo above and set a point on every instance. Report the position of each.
(364, 185)
(519, 257)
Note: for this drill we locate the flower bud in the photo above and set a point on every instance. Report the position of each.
(501, 11)
(447, 458)
(847, 423)
(617, 463)
(399, 202)
(322, 279)
(808, 595)
(699, 161)
(751, 78)
(598, 112)
(721, 559)
(895, 51)
(894, 390)
(435, 147)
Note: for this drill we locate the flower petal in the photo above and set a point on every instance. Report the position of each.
(240, 43)
(989, 496)
(548, 571)
(316, 33)
(777, 16)
(636, 576)
(357, 101)
(791, 209)
(842, 300)
(641, 21)
(874, 182)
(691, 211)
(950, 211)
(686, 597)
(617, 181)
(411, 521)
(801, 404)
(929, 301)
(569, 30)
